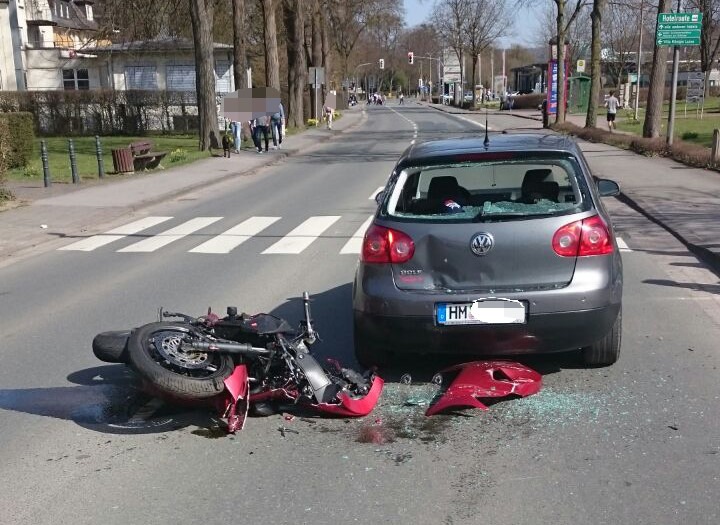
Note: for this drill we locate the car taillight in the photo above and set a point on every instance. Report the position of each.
(583, 238)
(385, 245)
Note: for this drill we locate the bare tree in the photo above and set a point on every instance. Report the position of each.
(272, 61)
(656, 93)
(239, 44)
(482, 29)
(449, 17)
(620, 35)
(295, 24)
(201, 15)
(595, 74)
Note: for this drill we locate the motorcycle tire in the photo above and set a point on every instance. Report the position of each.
(111, 347)
(169, 380)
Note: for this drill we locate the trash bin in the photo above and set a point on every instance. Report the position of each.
(123, 160)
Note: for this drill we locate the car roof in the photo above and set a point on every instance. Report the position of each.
(498, 143)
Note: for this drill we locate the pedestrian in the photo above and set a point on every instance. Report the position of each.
(236, 128)
(328, 111)
(611, 103)
(402, 99)
(254, 134)
(277, 123)
(262, 133)
(226, 142)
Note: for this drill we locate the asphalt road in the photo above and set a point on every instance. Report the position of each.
(638, 442)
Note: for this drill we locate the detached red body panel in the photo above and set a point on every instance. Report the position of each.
(237, 387)
(354, 407)
(485, 379)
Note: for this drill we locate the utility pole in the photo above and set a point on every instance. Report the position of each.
(673, 91)
(639, 62)
(492, 71)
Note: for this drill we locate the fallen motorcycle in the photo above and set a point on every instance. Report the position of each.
(236, 362)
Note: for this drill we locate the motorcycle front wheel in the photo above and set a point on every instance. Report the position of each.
(155, 352)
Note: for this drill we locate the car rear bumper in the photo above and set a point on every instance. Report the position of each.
(543, 333)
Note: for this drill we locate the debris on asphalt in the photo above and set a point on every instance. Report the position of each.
(283, 430)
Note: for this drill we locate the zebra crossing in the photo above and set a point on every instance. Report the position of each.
(293, 243)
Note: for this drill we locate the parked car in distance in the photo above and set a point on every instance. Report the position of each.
(490, 250)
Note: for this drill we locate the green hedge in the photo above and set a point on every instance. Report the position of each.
(21, 138)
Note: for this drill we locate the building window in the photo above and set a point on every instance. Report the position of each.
(75, 79)
(88, 11)
(61, 8)
(223, 78)
(180, 78)
(140, 77)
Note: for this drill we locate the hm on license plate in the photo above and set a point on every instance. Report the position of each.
(486, 311)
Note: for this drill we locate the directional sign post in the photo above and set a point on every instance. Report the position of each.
(678, 29)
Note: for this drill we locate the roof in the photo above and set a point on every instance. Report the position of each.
(499, 142)
(156, 44)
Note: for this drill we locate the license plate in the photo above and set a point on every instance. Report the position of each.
(484, 311)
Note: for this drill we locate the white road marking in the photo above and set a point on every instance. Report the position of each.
(173, 234)
(354, 245)
(96, 241)
(374, 194)
(235, 236)
(622, 245)
(303, 236)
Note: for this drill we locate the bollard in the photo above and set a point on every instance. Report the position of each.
(46, 165)
(715, 155)
(73, 162)
(99, 153)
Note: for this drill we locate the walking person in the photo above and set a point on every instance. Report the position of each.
(262, 132)
(611, 103)
(277, 123)
(328, 116)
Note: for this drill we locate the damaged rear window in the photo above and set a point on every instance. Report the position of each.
(489, 191)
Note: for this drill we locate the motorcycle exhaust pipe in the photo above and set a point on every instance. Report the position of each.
(226, 348)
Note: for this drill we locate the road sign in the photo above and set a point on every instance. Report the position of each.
(580, 67)
(316, 76)
(678, 29)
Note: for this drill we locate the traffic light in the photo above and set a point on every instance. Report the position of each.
(411, 57)
(382, 63)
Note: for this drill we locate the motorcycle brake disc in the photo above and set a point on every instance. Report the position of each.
(168, 345)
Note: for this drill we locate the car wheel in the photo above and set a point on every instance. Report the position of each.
(369, 355)
(606, 351)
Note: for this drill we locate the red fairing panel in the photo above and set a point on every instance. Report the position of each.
(354, 407)
(483, 379)
(235, 400)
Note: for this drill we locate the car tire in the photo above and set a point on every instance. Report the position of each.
(606, 351)
(369, 355)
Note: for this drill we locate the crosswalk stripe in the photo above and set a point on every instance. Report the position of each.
(303, 236)
(374, 194)
(235, 236)
(173, 234)
(354, 245)
(97, 241)
(622, 245)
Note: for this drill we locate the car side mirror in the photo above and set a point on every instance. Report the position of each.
(379, 197)
(608, 188)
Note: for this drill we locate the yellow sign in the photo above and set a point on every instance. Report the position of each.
(580, 66)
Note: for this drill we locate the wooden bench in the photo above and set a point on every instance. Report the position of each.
(144, 157)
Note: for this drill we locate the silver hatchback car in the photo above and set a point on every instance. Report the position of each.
(496, 248)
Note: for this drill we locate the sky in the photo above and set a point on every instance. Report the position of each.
(526, 21)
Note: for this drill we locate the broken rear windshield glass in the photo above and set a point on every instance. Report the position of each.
(505, 190)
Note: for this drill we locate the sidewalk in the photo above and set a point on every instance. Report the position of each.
(682, 199)
(49, 215)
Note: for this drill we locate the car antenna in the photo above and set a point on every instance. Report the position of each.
(486, 142)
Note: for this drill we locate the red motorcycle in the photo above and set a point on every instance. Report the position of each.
(239, 362)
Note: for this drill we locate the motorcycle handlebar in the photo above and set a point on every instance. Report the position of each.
(227, 348)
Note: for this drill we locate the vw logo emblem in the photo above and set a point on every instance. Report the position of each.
(482, 243)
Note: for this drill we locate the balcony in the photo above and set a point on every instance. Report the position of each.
(38, 13)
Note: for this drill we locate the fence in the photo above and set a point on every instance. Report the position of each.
(105, 112)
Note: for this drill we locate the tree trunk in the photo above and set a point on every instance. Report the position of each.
(656, 92)
(474, 71)
(560, 115)
(272, 62)
(239, 45)
(596, 16)
(295, 26)
(317, 52)
(201, 12)
(326, 50)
